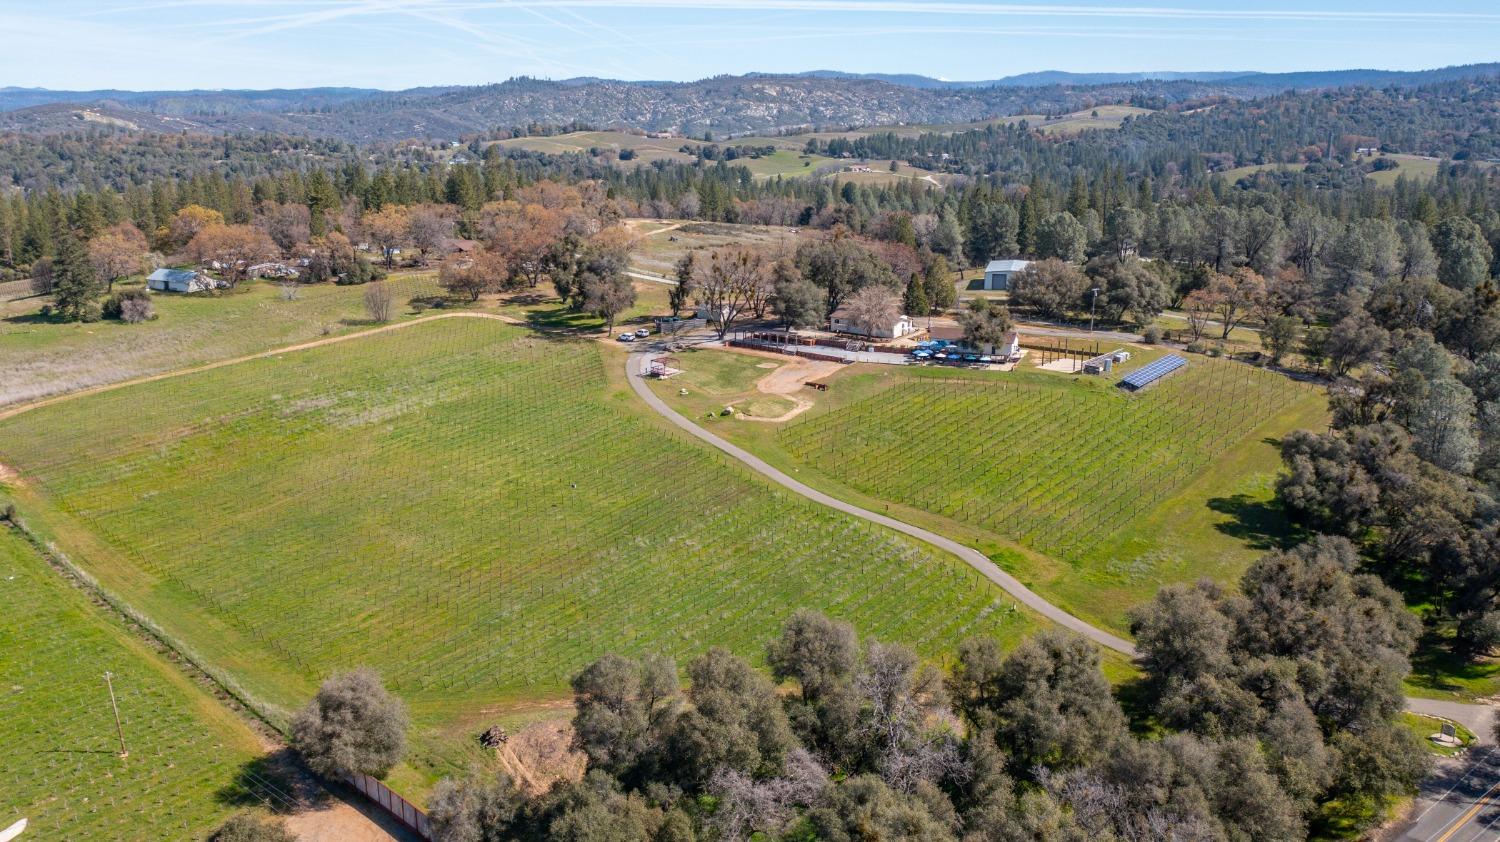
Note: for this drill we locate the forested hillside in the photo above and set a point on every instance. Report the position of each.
(721, 105)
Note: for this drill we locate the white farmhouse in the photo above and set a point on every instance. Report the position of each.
(998, 273)
(841, 322)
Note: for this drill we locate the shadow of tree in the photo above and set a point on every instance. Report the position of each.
(1135, 700)
(32, 319)
(278, 781)
(1262, 524)
(1436, 666)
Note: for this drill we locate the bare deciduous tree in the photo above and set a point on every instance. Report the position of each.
(748, 806)
(1201, 305)
(235, 248)
(428, 228)
(873, 309)
(387, 228)
(379, 302)
(729, 284)
(473, 274)
(607, 297)
(43, 276)
(1239, 295)
(117, 253)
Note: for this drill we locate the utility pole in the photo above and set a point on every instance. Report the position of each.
(119, 729)
(1092, 305)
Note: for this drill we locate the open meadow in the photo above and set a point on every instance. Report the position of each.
(475, 510)
(1089, 495)
(789, 159)
(786, 160)
(659, 248)
(60, 764)
(43, 357)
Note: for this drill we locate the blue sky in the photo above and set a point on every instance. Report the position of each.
(154, 44)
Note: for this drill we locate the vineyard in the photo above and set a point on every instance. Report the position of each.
(60, 761)
(470, 508)
(47, 358)
(1048, 463)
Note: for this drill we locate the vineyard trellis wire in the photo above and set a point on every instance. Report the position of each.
(460, 505)
(1052, 466)
(60, 764)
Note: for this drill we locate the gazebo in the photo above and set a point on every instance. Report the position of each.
(663, 366)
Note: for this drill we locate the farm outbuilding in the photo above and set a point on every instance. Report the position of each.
(841, 321)
(179, 280)
(997, 273)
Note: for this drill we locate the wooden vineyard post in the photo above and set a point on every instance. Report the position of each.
(119, 729)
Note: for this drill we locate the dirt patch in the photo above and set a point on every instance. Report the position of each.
(341, 821)
(10, 476)
(1067, 365)
(541, 754)
(787, 382)
(790, 378)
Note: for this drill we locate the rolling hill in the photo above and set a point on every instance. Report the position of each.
(723, 106)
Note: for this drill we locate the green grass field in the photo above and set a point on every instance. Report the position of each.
(1423, 727)
(1411, 166)
(544, 310)
(787, 160)
(1093, 496)
(44, 358)
(647, 149)
(657, 253)
(472, 509)
(59, 766)
(1237, 173)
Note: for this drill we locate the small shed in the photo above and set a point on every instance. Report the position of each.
(179, 280)
(997, 273)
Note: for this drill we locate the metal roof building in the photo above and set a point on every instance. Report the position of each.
(178, 280)
(998, 273)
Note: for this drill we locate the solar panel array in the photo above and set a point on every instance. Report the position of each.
(1152, 372)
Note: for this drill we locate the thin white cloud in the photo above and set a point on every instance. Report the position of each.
(340, 8)
(947, 7)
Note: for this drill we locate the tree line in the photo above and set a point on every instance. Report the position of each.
(1262, 713)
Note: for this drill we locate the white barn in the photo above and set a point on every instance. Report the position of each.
(841, 322)
(998, 273)
(179, 280)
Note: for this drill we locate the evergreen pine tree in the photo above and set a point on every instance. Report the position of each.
(77, 286)
(915, 301)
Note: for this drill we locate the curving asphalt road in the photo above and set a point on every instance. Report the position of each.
(1478, 718)
(971, 556)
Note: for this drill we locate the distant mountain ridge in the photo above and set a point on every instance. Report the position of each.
(1036, 79)
(1297, 79)
(724, 106)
